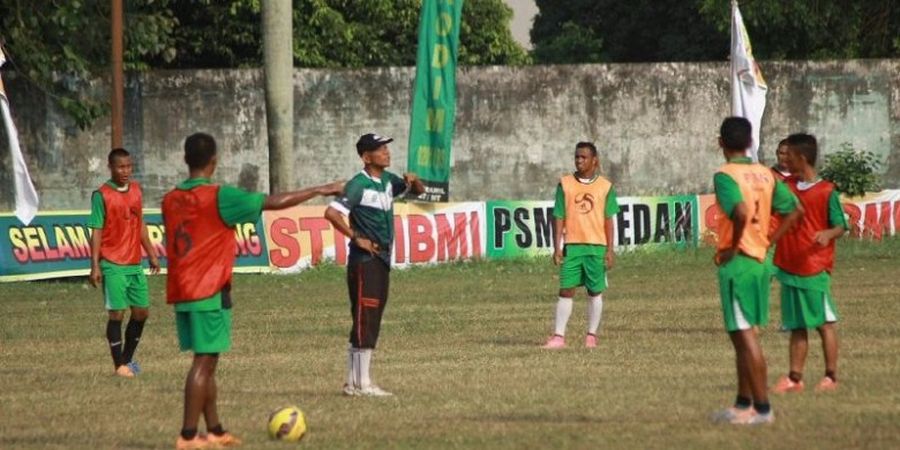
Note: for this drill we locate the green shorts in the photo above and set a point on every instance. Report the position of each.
(204, 330)
(806, 301)
(744, 292)
(586, 270)
(121, 291)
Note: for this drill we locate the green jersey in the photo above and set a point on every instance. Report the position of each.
(369, 203)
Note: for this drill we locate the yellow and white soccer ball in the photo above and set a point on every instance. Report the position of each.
(287, 424)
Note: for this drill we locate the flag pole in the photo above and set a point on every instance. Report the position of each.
(117, 100)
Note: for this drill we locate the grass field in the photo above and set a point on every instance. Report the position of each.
(460, 349)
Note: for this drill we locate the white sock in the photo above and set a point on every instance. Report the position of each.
(563, 311)
(351, 380)
(595, 312)
(365, 359)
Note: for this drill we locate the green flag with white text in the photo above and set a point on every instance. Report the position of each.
(434, 97)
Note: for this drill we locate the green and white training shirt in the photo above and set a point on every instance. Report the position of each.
(369, 203)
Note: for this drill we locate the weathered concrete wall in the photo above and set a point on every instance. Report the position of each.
(656, 125)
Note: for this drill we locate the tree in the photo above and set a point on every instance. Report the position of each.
(614, 31)
(337, 33)
(59, 45)
(696, 30)
(815, 29)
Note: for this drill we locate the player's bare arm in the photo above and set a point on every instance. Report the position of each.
(337, 221)
(152, 257)
(610, 247)
(96, 275)
(825, 236)
(788, 222)
(558, 231)
(288, 199)
(739, 218)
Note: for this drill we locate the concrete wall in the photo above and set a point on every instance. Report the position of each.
(655, 124)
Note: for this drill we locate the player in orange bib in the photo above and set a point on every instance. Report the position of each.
(746, 194)
(117, 221)
(200, 245)
(585, 205)
(805, 259)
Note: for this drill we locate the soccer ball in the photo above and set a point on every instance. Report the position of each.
(287, 424)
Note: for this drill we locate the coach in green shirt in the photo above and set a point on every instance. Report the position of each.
(368, 200)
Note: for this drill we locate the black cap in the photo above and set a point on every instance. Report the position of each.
(371, 141)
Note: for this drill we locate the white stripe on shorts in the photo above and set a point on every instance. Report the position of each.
(829, 314)
(739, 318)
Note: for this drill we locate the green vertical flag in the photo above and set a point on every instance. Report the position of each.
(434, 97)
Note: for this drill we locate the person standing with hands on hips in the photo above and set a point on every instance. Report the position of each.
(368, 202)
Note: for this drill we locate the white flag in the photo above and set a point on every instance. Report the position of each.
(748, 88)
(26, 196)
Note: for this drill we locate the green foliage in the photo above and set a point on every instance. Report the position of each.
(214, 34)
(572, 43)
(697, 30)
(814, 29)
(484, 36)
(336, 33)
(59, 45)
(579, 31)
(852, 171)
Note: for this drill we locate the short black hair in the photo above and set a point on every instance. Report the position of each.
(804, 144)
(117, 153)
(199, 149)
(736, 133)
(588, 145)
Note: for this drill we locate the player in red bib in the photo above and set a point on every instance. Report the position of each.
(805, 258)
(118, 235)
(200, 245)
(780, 169)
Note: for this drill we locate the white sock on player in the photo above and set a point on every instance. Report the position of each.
(595, 312)
(351, 373)
(563, 311)
(365, 359)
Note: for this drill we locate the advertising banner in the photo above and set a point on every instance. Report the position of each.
(58, 244)
(524, 228)
(873, 216)
(423, 233)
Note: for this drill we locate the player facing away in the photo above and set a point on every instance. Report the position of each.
(368, 201)
(585, 205)
(805, 258)
(746, 194)
(119, 233)
(200, 245)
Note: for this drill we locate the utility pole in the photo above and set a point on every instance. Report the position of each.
(117, 100)
(278, 60)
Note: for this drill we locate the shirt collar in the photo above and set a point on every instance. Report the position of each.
(366, 174)
(194, 182)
